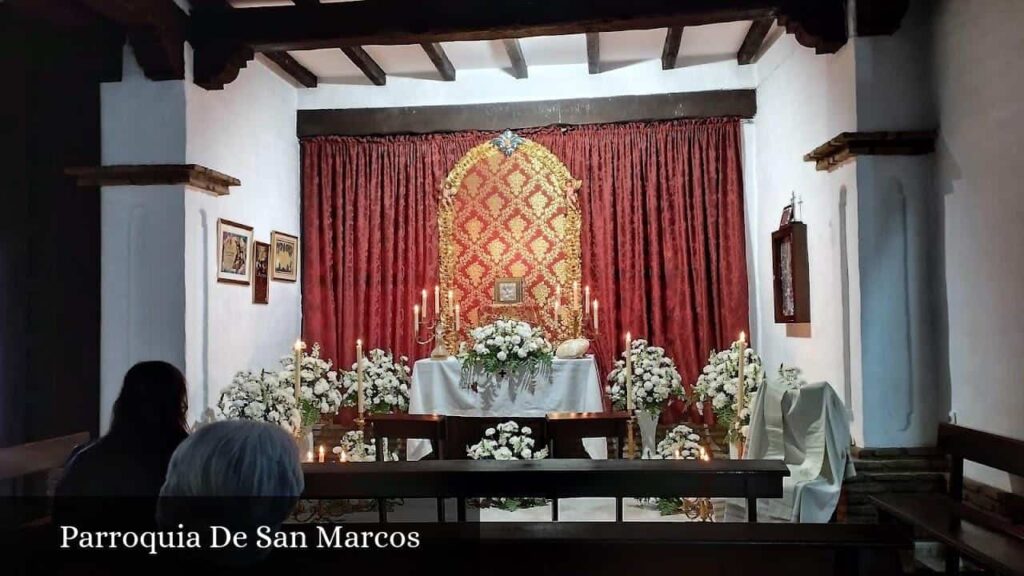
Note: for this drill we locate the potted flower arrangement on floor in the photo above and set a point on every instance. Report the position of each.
(655, 381)
(320, 394)
(719, 385)
(505, 349)
(263, 397)
(508, 441)
(682, 443)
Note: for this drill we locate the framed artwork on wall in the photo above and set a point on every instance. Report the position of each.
(790, 267)
(284, 257)
(234, 242)
(260, 273)
(508, 291)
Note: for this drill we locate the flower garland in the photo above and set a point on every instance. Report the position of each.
(655, 379)
(262, 397)
(385, 383)
(718, 383)
(507, 441)
(319, 392)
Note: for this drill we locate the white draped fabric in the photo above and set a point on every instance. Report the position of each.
(808, 429)
(573, 386)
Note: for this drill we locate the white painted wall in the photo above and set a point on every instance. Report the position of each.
(978, 80)
(160, 295)
(556, 82)
(802, 101)
(246, 130)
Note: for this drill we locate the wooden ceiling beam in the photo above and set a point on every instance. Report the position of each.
(515, 56)
(670, 53)
(306, 2)
(753, 40)
(594, 52)
(440, 60)
(366, 64)
(156, 29)
(292, 68)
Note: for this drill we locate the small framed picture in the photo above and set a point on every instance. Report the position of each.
(234, 242)
(508, 291)
(284, 257)
(787, 216)
(260, 273)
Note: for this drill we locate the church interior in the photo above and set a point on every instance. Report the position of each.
(583, 284)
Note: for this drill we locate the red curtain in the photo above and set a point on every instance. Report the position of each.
(663, 233)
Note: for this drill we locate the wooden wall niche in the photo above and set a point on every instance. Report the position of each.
(791, 274)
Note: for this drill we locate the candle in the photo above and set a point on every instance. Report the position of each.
(359, 377)
(703, 454)
(299, 347)
(458, 317)
(677, 454)
(595, 315)
(321, 454)
(629, 372)
(437, 301)
(741, 381)
(309, 456)
(586, 300)
(423, 304)
(343, 457)
(416, 316)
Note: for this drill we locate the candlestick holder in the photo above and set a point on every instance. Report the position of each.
(440, 351)
(630, 437)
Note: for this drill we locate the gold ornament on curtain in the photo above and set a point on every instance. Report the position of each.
(509, 210)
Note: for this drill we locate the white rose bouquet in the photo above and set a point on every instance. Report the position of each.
(507, 441)
(718, 384)
(320, 391)
(655, 379)
(507, 348)
(386, 383)
(263, 397)
(357, 448)
(681, 443)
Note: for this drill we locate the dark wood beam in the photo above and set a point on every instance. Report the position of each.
(402, 22)
(515, 56)
(440, 60)
(594, 52)
(291, 67)
(753, 40)
(669, 54)
(156, 29)
(366, 64)
(201, 177)
(518, 115)
(306, 2)
(849, 145)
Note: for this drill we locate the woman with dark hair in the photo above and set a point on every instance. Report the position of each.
(130, 461)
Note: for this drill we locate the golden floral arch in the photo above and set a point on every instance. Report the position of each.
(509, 210)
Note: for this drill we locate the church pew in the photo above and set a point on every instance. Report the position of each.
(408, 426)
(549, 478)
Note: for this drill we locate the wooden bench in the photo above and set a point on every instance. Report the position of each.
(23, 461)
(549, 478)
(988, 541)
(566, 431)
(408, 426)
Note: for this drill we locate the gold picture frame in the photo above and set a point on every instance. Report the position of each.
(508, 291)
(284, 257)
(234, 252)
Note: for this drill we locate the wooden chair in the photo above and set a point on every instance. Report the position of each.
(408, 426)
(566, 431)
(989, 541)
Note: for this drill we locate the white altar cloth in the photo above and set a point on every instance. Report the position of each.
(573, 387)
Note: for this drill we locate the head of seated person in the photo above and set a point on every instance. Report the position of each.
(124, 470)
(237, 474)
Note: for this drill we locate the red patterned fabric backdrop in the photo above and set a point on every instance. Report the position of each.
(663, 244)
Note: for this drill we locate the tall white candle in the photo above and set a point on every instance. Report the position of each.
(741, 381)
(359, 377)
(458, 317)
(423, 304)
(299, 347)
(629, 372)
(595, 315)
(416, 316)
(586, 301)
(437, 301)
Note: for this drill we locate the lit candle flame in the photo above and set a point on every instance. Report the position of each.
(300, 345)
(343, 457)
(704, 454)
(309, 456)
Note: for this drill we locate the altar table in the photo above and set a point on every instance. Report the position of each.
(574, 386)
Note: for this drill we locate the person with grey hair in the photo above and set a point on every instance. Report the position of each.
(237, 474)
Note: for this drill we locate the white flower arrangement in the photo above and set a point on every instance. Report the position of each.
(718, 384)
(681, 443)
(262, 397)
(506, 347)
(790, 377)
(655, 379)
(385, 383)
(319, 392)
(358, 448)
(506, 441)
